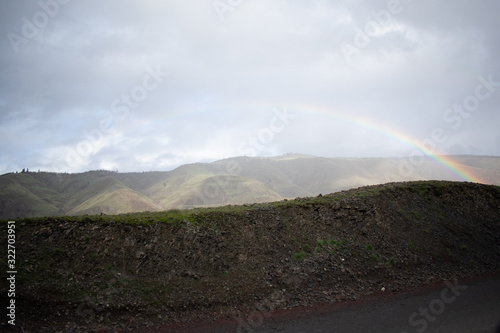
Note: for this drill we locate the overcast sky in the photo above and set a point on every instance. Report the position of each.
(150, 85)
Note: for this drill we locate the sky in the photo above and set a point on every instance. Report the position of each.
(137, 86)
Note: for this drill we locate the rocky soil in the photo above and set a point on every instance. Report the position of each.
(98, 274)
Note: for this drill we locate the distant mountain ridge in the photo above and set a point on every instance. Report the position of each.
(236, 180)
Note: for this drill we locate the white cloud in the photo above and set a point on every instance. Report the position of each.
(227, 75)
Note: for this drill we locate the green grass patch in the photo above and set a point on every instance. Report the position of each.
(299, 255)
(57, 252)
(390, 263)
(412, 246)
(320, 244)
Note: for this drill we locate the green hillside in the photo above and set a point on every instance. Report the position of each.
(237, 180)
(25, 195)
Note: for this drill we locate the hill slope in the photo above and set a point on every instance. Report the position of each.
(95, 272)
(230, 181)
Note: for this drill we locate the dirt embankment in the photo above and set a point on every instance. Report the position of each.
(99, 274)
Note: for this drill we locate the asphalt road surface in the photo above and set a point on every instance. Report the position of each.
(466, 306)
(451, 307)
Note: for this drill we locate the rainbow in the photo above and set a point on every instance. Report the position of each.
(462, 171)
(456, 168)
(447, 162)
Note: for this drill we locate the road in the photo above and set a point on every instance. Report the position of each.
(454, 307)
(468, 306)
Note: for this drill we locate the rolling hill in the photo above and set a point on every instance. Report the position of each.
(137, 272)
(236, 180)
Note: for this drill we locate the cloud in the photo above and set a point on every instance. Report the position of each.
(228, 70)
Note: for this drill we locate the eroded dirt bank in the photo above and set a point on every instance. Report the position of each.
(100, 273)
